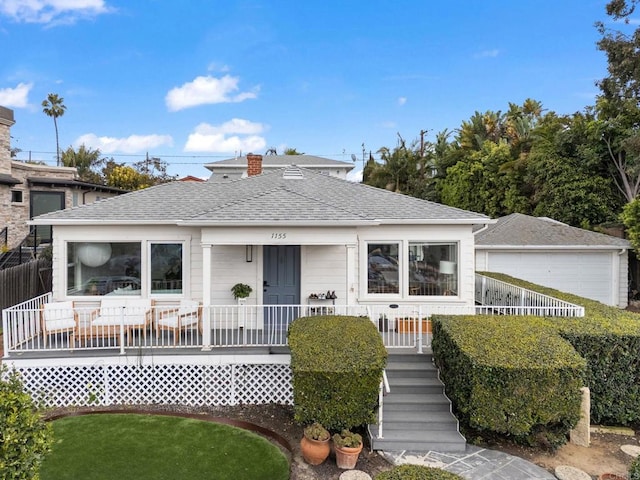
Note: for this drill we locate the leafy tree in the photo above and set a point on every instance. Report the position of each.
(155, 169)
(292, 151)
(631, 218)
(143, 174)
(53, 107)
(88, 162)
(24, 436)
(127, 178)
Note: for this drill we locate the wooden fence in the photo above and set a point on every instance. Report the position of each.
(23, 282)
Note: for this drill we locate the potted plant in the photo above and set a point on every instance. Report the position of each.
(241, 291)
(315, 444)
(348, 446)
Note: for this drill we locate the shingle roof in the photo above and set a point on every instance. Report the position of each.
(518, 230)
(279, 161)
(6, 179)
(265, 199)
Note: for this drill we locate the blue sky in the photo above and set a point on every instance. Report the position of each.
(196, 81)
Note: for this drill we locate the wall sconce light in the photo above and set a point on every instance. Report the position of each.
(249, 253)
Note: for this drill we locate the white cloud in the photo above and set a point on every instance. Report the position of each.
(233, 136)
(52, 11)
(130, 144)
(488, 53)
(15, 97)
(402, 100)
(207, 90)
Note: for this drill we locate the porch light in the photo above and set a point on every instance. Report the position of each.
(94, 254)
(249, 253)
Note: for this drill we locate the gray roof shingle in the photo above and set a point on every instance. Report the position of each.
(265, 199)
(525, 231)
(278, 161)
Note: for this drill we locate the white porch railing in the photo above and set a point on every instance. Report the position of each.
(495, 297)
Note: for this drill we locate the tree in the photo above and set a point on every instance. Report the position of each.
(87, 161)
(292, 151)
(126, 178)
(631, 218)
(53, 107)
(24, 436)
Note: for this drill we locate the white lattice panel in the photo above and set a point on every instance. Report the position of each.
(194, 385)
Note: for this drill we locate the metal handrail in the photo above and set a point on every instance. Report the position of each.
(385, 389)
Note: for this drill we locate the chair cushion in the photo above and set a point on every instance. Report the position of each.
(58, 312)
(188, 307)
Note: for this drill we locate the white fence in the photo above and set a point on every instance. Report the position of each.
(495, 297)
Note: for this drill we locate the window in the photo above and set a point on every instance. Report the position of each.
(433, 268)
(412, 268)
(98, 268)
(16, 196)
(166, 267)
(45, 202)
(383, 271)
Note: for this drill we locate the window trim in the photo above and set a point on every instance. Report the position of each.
(185, 268)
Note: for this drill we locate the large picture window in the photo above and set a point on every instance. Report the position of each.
(412, 268)
(100, 268)
(433, 268)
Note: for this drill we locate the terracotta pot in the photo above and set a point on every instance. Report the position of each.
(611, 476)
(314, 452)
(347, 457)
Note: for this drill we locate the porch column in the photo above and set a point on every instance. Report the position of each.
(206, 297)
(351, 275)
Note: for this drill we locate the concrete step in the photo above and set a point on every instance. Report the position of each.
(425, 421)
(430, 402)
(421, 441)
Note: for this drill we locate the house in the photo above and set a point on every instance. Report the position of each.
(30, 189)
(556, 255)
(237, 167)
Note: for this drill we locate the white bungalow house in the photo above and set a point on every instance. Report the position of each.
(142, 309)
(556, 255)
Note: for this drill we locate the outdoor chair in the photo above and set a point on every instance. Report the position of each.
(186, 316)
(58, 317)
(114, 313)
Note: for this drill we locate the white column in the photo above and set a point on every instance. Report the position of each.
(206, 297)
(351, 275)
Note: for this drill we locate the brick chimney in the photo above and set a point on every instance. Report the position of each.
(254, 164)
(6, 120)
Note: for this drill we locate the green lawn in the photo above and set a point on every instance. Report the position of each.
(156, 447)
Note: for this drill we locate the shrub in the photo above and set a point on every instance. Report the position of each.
(510, 375)
(337, 364)
(347, 439)
(634, 469)
(608, 338)
(416, 472)
(24, 436)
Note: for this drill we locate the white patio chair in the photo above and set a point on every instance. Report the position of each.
(58, 317)
(186, 316)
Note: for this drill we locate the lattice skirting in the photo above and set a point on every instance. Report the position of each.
(194, 385)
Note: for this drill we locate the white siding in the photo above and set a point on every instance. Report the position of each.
(324, 269)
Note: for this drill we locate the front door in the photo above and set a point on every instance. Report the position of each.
(281, 294)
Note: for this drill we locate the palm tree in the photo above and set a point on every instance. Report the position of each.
(53, 107)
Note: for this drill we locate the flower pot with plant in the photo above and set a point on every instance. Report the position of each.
(315, 444)
(241, 291)
(348, 446)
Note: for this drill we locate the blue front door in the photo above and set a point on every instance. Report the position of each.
(281, 284)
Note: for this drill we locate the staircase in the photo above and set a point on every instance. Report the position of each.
(416, 413)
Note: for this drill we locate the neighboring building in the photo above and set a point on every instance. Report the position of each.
(28, 190)
(550, 253)
(235, 168)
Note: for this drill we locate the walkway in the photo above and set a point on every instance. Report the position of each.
(475, 464)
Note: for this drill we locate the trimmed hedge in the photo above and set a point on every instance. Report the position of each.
(417, 472)
(337, 364)
(510, 375)
(608, 338)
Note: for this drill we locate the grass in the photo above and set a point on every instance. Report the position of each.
(146, 447)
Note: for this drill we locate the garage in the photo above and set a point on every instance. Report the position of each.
(556, 255)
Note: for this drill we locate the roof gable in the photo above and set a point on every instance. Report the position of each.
(269, 198)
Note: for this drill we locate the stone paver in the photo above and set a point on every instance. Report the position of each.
(355, 475)
(565, 472)
(475, 464)
(632, 450)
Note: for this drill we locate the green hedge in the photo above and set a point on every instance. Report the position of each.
(510, 375)
(634, 469)
(337, 364)
(608, 338)
(416, 472)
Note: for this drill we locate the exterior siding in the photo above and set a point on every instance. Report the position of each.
(324, 269)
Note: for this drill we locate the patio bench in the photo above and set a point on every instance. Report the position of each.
(130, 314)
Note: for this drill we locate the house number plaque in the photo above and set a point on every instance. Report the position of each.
(278, 235)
